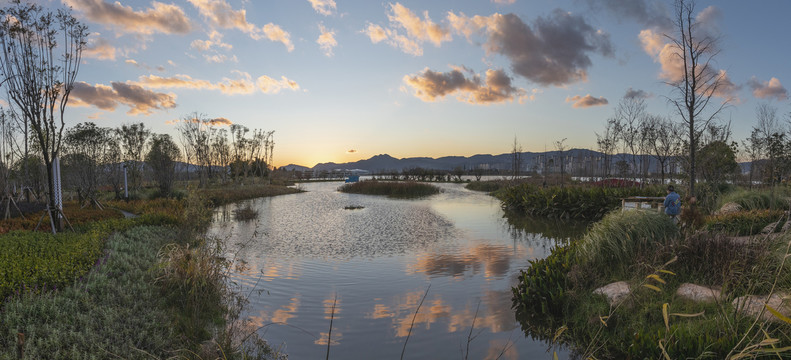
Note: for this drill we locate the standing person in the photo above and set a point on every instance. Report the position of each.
(672, 203)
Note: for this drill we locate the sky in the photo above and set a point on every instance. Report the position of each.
(344, 80)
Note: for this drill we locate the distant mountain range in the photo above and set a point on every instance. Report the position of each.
(574, 160)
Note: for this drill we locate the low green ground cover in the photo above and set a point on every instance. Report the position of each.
(114, 311)
(393, 189)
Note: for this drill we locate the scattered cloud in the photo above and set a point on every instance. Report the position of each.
(269, 85)
(636, 94)
(99, 48)
(417, 30)
(664, 53)
(138, 65)
(651, 13)
(351, 151)
(215, 48)
(220, 13)
(160, 17)
(243, 85)
(220, 121)
(709, 20)
(140, 100)
(496, 88)
(671, 61)
(324, 7)
(326, 40)
(555, 50)
(504, 2)
(586, 101)
(378, 34)
(727, 89)
(771, 89)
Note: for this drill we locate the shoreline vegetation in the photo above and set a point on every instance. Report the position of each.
(622, 289)
(391, 189)
(149, 286)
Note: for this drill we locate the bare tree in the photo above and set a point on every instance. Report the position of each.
(561, 148)
(663, 141)
(767, 126)
(699, 83)
(516, 159)
(629, 115)
(40, 73)
(608, 144)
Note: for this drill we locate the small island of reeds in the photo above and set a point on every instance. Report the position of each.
(392, 189)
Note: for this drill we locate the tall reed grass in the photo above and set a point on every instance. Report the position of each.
(622, 236)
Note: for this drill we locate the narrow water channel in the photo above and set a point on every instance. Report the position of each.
(306, 254)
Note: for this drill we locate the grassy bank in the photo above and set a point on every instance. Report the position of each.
(152, 286)
(554, 299)
(393, 189)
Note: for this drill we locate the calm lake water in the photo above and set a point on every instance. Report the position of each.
(306, 252)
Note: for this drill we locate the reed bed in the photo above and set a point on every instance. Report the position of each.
(392, 189)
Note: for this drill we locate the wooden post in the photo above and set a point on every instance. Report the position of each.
(20, 345)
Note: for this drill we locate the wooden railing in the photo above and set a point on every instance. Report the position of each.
(643, 203)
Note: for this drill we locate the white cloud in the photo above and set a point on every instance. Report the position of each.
(326, 40)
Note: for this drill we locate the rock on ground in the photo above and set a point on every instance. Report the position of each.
(728, 208)
(697, 293)
(615, 292)
(752, 305)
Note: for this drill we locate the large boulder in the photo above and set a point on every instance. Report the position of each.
(728, 208)
(752, 305)
(615, 292)
(697, 293)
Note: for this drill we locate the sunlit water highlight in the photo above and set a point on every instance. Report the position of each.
(305, 251)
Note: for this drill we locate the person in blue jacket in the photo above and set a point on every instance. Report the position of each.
(672, 203)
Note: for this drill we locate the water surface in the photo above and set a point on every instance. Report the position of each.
(308, 258)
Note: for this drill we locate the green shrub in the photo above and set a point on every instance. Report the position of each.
(744, 222)
(575, 202)
(394, 189)
(42, 261)
(489, 185)
(756, 199)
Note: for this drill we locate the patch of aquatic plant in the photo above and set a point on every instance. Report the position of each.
(743, 222)
(574, 202)
(489, 185)
(246, 213)
(757, 199)
(622, 237)
(191, 279)
(225, 195)
(394, 189)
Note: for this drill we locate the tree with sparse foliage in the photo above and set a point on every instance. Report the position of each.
(40, 72)
(699, 82)
(161, 158)
(85, 147)
(133, 138)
